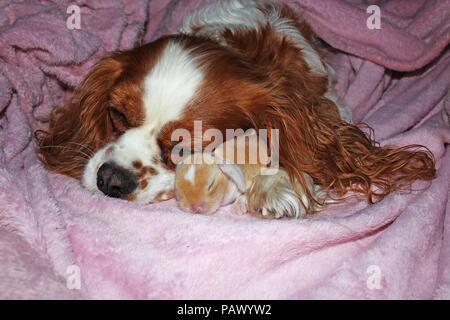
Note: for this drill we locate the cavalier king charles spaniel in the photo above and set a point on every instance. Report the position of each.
(236, 64)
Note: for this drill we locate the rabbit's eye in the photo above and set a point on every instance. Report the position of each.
(211, 184)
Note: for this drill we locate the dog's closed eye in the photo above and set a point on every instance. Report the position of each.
(165, 157)
(118, 119)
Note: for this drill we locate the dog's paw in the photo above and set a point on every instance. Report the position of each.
(272, 197)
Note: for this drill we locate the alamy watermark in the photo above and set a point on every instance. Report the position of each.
(73, 281)
(250, 147)
(74, 19)
(373, 281)
(374, 20)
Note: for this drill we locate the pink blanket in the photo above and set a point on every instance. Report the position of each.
(59, 241)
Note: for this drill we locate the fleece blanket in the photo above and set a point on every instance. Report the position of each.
(58, 241)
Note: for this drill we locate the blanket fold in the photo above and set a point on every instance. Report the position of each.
(396, 79)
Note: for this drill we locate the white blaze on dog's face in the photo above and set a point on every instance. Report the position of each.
(131, 167)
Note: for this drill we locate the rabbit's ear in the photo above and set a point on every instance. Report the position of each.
(235, 174)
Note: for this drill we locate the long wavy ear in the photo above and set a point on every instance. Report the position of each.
(80, 127)
(313, 139)
(340, 156)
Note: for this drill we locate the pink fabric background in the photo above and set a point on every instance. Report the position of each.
(396, 79)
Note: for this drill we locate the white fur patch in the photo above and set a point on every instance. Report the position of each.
(190, 173)
(170, 85)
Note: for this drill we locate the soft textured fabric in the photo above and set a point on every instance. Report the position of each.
(398, 248)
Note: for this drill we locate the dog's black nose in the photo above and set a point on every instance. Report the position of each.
(115, 181)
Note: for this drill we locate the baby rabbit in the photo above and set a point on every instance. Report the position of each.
(206, 181)
(203, 188)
